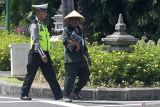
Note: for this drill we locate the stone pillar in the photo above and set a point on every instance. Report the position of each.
(67, 7)
(19, 55)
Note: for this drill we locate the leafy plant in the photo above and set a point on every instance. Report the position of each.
(5, 40)
(109, 69)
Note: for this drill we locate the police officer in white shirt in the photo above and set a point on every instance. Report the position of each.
(39, 56)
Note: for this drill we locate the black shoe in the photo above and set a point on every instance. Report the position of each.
(76, 96)
(66, 99)
(25, 98)
(59, 98)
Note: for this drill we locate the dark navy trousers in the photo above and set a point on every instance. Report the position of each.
(34, 62)
(72, 71)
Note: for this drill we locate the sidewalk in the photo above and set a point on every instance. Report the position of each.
(121, 94)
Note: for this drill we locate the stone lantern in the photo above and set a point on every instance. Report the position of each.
(65, 8)
(58, 25)
(120, 40)
(58, 18)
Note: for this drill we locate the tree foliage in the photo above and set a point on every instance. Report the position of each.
(21, 8)
(140, 16)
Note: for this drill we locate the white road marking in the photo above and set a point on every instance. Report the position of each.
(61, 103)
(124, 105)
(118, 102)
(7, 102)
(65, 104)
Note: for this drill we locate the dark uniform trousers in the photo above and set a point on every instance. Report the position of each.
(80, 69)
(34, 62)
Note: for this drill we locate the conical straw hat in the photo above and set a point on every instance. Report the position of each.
(74, 14)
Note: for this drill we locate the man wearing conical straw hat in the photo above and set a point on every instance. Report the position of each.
(76, 57)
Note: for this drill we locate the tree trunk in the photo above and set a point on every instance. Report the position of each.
(67, 7)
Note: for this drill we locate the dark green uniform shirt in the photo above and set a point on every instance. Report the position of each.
(70, 55)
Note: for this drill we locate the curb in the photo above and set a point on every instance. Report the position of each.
(117, 94)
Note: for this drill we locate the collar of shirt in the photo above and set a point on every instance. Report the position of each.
(40, 22)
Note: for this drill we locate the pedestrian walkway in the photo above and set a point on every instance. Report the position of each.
(127, 94)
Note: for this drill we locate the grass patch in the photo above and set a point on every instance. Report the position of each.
(12, 80)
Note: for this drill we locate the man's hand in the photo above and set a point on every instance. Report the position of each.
(77, 45)
(44, 58)
(89, 61)
(73, 42)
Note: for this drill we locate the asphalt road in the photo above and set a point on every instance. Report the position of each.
(16, 102)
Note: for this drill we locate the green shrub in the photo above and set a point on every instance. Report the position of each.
(116, 69)
(57, 58)
(97, 37)
(142, 67)
(5, 40)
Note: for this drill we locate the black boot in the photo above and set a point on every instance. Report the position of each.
(25, 98)
(76, 96)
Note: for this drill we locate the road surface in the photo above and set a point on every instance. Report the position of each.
(16, 102)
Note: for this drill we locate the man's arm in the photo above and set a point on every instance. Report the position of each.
(35, 37)
(87, 55)
(67, 41)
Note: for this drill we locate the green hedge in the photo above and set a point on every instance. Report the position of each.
(116, 69)
(5, 40)
(140, 68)
(57, 58)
